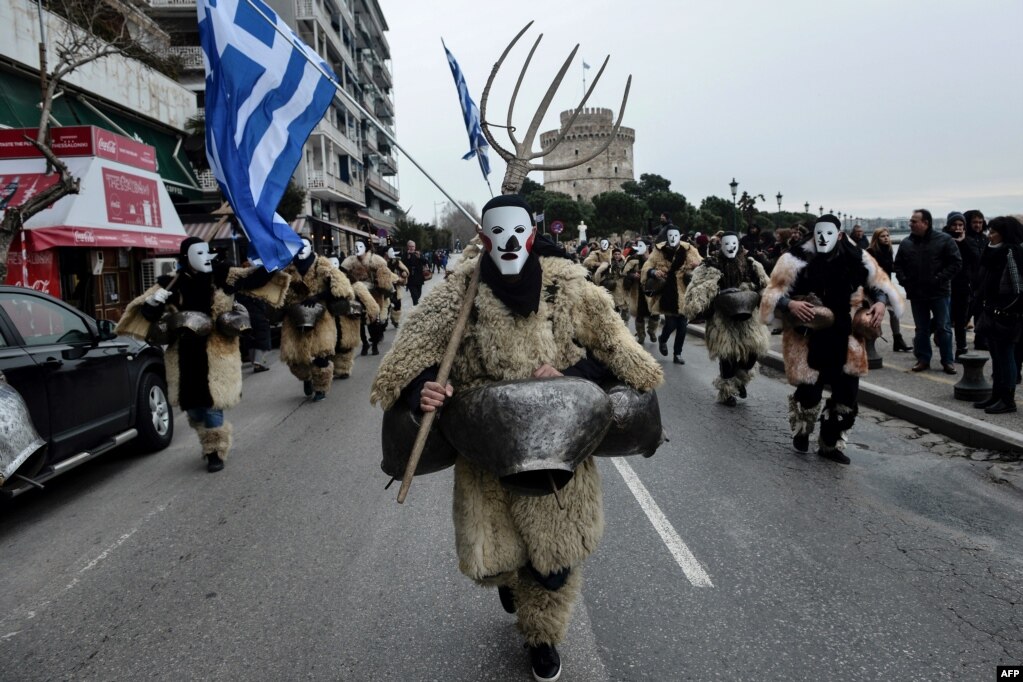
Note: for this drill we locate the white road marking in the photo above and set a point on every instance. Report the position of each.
(685, 559)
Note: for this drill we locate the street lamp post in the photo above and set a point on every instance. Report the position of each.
(778, 197)
(735, 186)
(821, 210)
(806, 207)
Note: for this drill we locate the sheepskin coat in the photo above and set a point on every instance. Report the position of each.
(848, 268)
(372, 270)
(400, 271)
(615, 275)
(595, 258)
(349, 326)
(496, 531)
(202, 372)
(321, 279)
(726, 338)
(661, 258)
(634, 293)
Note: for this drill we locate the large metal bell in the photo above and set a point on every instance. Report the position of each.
(635, 423)
(305, 317)
(737, 304)
(234, 322)
(18, 437)
(398, 435)
(530, 433)
(191, 321)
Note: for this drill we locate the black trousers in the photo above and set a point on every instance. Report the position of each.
(415, 291)
(844, 389)
(678, 324)
(729, 368)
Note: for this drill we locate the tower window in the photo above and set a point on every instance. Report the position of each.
(577, 152)
(616, 169)
(589, 169)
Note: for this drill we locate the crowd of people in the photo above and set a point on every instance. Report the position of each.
(542, 312)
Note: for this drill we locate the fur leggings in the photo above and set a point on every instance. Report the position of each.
(544, 615)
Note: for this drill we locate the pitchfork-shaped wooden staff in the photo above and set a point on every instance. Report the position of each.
(519, 165)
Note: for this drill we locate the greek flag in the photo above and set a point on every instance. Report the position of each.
(263, 98)
(471, 113)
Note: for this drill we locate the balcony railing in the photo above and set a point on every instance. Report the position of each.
(172, 3)
(319, 182)
(377, 183)
(190, 55)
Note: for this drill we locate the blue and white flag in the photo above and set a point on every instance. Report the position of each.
(471, 113)
(263, 98)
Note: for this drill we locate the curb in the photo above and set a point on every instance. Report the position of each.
(967, 430)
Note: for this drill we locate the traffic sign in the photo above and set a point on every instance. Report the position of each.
(557, 226)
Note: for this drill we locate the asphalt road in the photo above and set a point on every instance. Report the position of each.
(295, 563)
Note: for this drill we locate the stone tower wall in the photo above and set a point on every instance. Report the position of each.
(604, 173)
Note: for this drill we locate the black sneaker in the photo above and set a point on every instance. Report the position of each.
(801, 442)
(742, 392)
(653, 337)
(307, 387)
(546, 663)
(365, 349)
(834, 456)
(318, 396)
(376, 351)
(663, 347)
(730, 401)
(214, 463)
(678, 360)
(507, 598)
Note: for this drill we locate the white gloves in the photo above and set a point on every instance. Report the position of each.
(159, 297)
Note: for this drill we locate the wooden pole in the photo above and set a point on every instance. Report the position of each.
(442, 379)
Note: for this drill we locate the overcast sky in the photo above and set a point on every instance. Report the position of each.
(869, 107)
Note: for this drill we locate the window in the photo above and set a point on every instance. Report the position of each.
(589, 169)
(616, 170)
(343, 168)
(577, 152)
(41, 322)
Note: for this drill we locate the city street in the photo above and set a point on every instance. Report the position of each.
(726, 556)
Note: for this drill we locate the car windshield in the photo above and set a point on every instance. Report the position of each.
(42, 322)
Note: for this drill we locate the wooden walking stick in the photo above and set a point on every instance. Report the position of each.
(442, 379)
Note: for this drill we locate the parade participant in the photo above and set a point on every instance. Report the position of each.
(413, 260)
(401, 272)
(826, 277)
(370, 269)
(349, 320)
(309, 337)
(597, 257)
(645, 322)
(611, 277)
(535, 315)
(736, 339)
(203, 360)
(665, 276)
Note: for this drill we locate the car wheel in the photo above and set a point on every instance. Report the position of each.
(155, 419)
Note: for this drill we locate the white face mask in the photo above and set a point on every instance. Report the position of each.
(334, 261)
(507, 236)
(674, 237)
(391, 255)
(604, 244)
(825, 236)
(729, 246)
(306, 250)
(360, 249)
(199, 257)
(640, 248)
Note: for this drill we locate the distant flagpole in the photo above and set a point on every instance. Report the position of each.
(585, 67)
(370, 117)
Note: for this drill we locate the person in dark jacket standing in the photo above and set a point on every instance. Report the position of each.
(1000, 298)
(955, 227)
(881, 249)
(414, 262)
(925, 265)
(977, 241)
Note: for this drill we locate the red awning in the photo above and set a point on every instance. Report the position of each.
(42, 238)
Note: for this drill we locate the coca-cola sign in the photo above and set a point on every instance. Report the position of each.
(131, 199)
(73, 141)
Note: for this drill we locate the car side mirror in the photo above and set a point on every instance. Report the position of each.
(106, 330)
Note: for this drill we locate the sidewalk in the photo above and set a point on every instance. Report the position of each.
(924, 399)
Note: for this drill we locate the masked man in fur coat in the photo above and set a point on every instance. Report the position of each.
(348, 323)
(735, 341)
(645, 322)
(535, 315)
(826, 277)
(665, 276)
(309, 350)
(370, 269)
(611, 277)
(400, 271)
(597, 257)
(204, 372)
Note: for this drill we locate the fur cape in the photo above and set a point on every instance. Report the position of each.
(376, 275)
(596, 258)
(298, 347)
(633, 294)
(498, 532)
(661, 263)
(795, 346)
(400, 271)
(618, 292)
(726, 338)
(224, 378)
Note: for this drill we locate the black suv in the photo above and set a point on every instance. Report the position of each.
(88, 390)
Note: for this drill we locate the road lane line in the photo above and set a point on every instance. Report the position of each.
(685, 559)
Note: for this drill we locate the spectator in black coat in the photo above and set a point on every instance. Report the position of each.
(976, 239)
(955, 227)
(925, 265)
(880, 247)
(415, 264)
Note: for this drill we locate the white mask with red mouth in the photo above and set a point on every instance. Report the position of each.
(508, 233)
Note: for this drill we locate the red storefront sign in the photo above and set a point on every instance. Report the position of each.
(131, 199)
(38, 271)
(17, 189)
(71, 141)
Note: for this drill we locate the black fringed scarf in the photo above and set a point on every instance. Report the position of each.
(521, 296)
